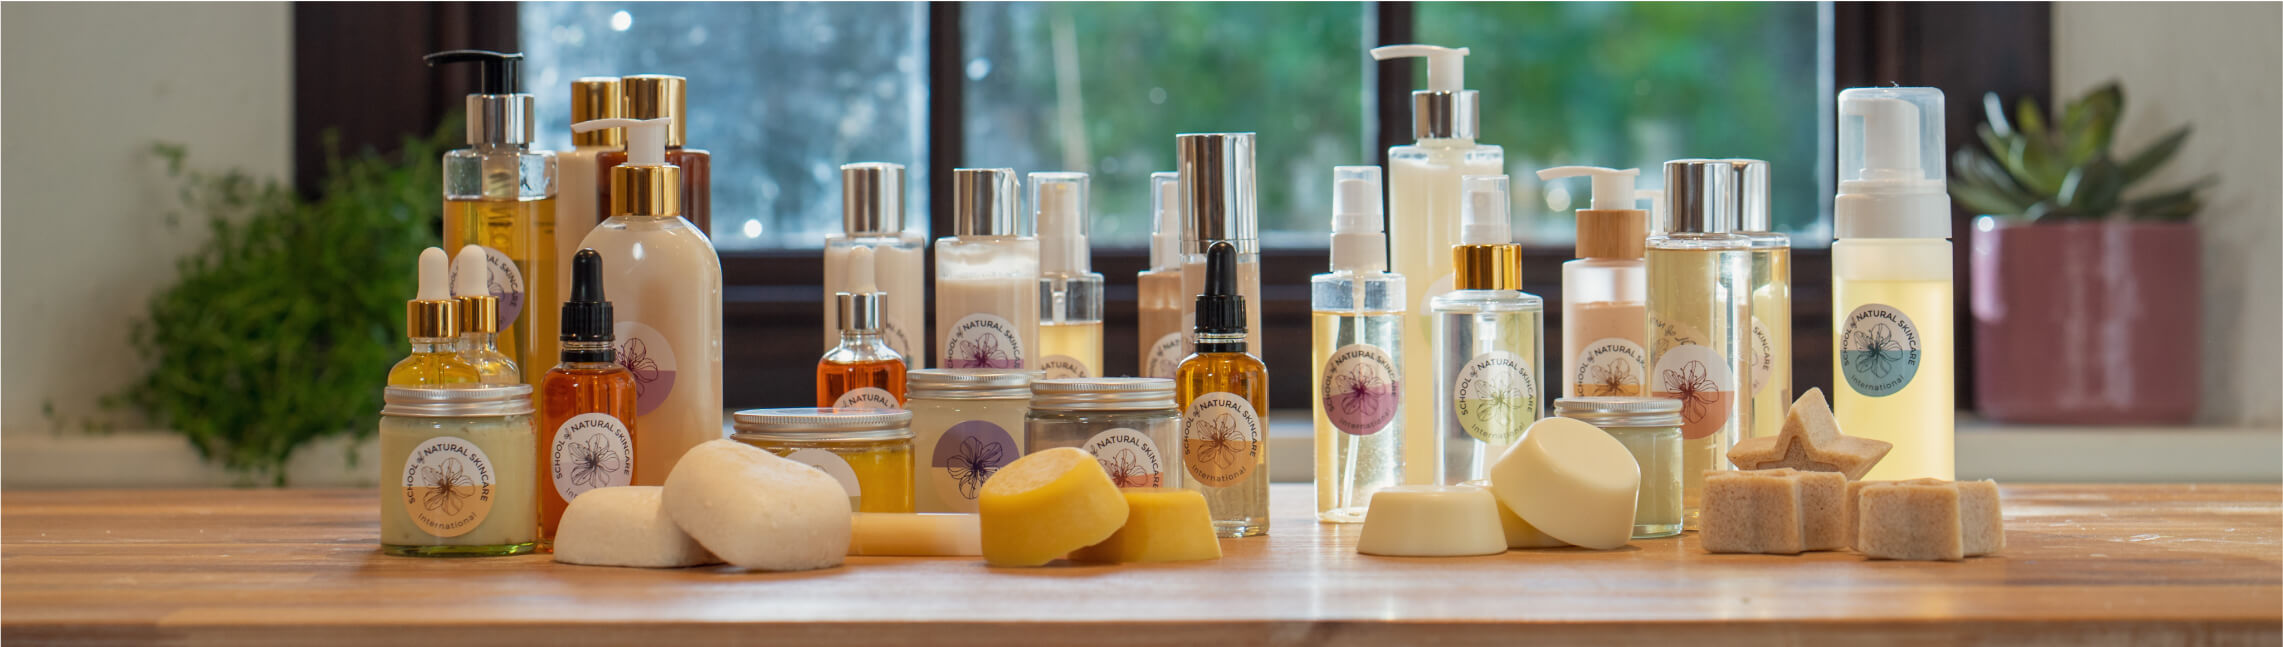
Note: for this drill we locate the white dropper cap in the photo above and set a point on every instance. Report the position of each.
(471, 273)
(861, 274)
(1058, 201)
(1890, 165)
(1165, 234)
(1358, 243)
(1483, 211)
(435, 276)
(645, 138)
(1612, 188)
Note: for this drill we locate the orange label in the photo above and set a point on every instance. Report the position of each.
(448, 486)
(1221, 439)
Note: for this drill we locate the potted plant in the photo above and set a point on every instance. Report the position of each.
(2086, 300)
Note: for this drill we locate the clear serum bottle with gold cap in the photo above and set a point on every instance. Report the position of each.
(644, 97)
(1769, 340)
(432, 321)
(1069, 290)
(500, 194)
(1605, 351)
(1356, 317)
(479, 318)
(1488, 337)
(1699, 315)
(1222, 391)
(579, 206)
(872, 219)
(986, 277)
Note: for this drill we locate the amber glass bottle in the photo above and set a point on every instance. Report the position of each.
(586, 403)
(1222, 392)
(862, 372)
(650, 96)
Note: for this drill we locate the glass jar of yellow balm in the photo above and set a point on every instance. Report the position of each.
(869, 451)
(1127, 423)
(966, 424)
(1651, 429)
(458, 471)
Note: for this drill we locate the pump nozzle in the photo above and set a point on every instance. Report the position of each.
(645, 185)
(1446, 109)
(1483, 211)
(1165, 236)
(1890, 165)
(1358, 244)
(1059, 201)
(1612, 188)
(1446, 66)
(645, 138)
(496, 72)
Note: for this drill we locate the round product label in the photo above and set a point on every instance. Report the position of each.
(1164, 357)
(1062, 366)
(1699, 378)
(645, 352)
(591, 450)
(870, 397)
(1495, 396)
(1879, 349)
(983, 340)
(1610, 367)
(836, 467)
(1221, 439)
(448, 486)
(898, 340)
(505, 282)
(966, 456)
(1763, 355)
(1129, 456)
(1361, 389)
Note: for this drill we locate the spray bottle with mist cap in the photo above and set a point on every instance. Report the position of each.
(432, 322)
(986, 277)
(500, 194)
(588, 402)
(1605, 291)
(1488, 337)
(1219, 204)
(1699, 317)
(1161, 303)
(1069, 291)
(1891, 281)
(479, 318)
(862, 371)
(1357, 317)
(1222, 391)
(1769, 340)
(872, 218)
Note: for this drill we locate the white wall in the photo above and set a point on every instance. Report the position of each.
(2214, 66)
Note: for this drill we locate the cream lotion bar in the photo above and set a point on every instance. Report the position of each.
(1572, 481)
(1433, 521)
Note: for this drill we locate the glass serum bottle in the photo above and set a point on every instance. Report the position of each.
(862, 371)
(479, 318)
(1356, 317)
(1222, 390)
(872, 217)
(1069, 291)
(1605, 350)
(1161, 302)
(1489, 335)
(500, 194)
(1699, 317)
(986, 277)
(432, 321)
(588, 402)
(1770, 337)
(1891, 282)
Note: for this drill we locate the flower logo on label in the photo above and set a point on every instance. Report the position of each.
(448, 489)
(646, 354)
(974, 463)
(1221, 439)
(965, 457)
(1702, 380)
(1164, 356)
(1360, 389)
(1495, 397)
(1062, 366)
(1130, 458)
(590, 450)
(447, 485)
(1879, 350)
(982, 341)
(1609, 367)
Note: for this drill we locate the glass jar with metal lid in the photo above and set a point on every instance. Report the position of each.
(1127, 423)
(966, 424)
(869, 451)
(1651, 429)
(458, 471)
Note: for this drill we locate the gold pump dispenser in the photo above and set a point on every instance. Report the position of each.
(596, 97)
(645, 185)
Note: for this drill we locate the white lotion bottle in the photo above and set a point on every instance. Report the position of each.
(1161, 301)
(1423, 199)
(986, 277)
(578, 201)
(1605, 291)
(872, 216)
(1219, 203)
(1069, 290)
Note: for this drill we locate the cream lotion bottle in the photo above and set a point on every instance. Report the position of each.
(986, 277)
(1488, 338)
(1770, 337)
(1356, 321)
(872, 216)
(1700, 314)
(1891, 283)
(1605, 291)
(578, 208)
(665, 282)
(1160, 300)
(1423, 202)
(1069, 290)
(1218, 204)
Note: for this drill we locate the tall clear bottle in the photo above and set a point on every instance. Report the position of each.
(1160, 303)
(1069, 290)
(1219, 205)
(666, 280)
(986, 277)
(1770, 337)
(1489, 336)
(872, 217)
(579, 206)
(1423, 199)
(500, 194)
(1357, 322)
(1890, 281)
(1605, 349)
(1222, 392)
(1700, 313)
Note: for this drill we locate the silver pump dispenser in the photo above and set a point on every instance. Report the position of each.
(1218, 191)
(983, 202)
(872, 198)
(1702, 195)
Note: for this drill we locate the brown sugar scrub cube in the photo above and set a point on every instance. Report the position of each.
(1751, 512)
(1822, 496)
(1909, 521)
(1979, 518)
(1810, 442)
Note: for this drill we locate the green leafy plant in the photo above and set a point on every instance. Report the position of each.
(2066, 172)
(281, 329)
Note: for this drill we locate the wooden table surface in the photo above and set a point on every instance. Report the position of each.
(2085, 565)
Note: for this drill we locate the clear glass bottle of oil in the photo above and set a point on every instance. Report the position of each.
(1357, 354)
(500, 194)
(1770, 337)
(479, 318)
(432, 322)
(1222, 392)
(1489, 336)
(1700, 313)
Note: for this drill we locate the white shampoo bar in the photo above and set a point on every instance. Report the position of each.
(1433, 521)
(1570, 480)
(915, 535)
(625, 526)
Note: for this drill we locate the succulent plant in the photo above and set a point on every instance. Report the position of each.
(2066, 172)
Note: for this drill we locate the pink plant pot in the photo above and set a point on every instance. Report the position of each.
(2087, 323)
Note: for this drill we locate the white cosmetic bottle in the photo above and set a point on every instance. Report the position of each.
(578, 203)
(1895, 379)
(1069, 290)
(986, 277)
(1219, 204)
(1605, 292)
(872, 216)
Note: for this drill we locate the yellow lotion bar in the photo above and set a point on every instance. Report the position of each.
(1162, 525)
(1571, 480)
(1519, 533)
(915, 535)
(1433, 521)
(1044, 505)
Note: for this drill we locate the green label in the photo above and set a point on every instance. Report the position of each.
(1879, 350)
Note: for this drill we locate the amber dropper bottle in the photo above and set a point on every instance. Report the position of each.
(432, 321)
(862, 372)
(586, 408)
(1222, 391)
(479, 318)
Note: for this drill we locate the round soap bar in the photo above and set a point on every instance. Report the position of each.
(625, 526)
(756, 510)
(1519, 533)
(1162, 525)
(1042, 506)
(1432, 521)
(1570, 480)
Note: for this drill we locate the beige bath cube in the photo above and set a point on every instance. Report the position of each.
(1821, 500)
(1910, 521)
(1751, 512)
(1979, 518)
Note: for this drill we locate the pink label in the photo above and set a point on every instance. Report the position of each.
(1360, 389)
(646, 353)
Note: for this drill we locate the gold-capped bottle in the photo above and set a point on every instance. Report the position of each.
(432, 321)
(479, 318)
(1222, 392)
(645, 97)
(500, 194)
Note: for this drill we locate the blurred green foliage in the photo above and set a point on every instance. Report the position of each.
(2066, 171)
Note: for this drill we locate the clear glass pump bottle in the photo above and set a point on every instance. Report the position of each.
(1699, 316)
(1069, 290)
(1770, 337)
(1895, 376)
(1488, 337)
(1222, 391)
(500, 194)
(872, 218)
(1357, 326)
(1160, 304)
(986, 277)
(479, 318)
(1605, 291)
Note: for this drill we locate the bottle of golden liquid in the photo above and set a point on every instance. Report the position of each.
(1222, 392)
(1159, 298)
(479, 318)
(1700, 313)
(1069, 290)
(432, 321)
(863, 371)
(587, 403)
(500, 194)
(1891, 284)
(1770, 337)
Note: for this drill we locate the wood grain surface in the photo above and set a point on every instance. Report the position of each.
(2084, 565)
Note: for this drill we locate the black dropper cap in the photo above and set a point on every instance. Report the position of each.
(1220, 310)
(587, 315)
(496, 73)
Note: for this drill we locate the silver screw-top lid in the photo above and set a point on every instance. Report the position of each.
(499, 118)
(1701, 195)
(818, 424)
(859, 312)
(1751, 191)
(1446, 114)
(970, 383)
(1628, 411)
(456, 401)
(1102, 394)
(1218, 191)
(872, 198)
(983, 202)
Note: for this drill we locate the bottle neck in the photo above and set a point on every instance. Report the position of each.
(588, 352)
(479, 341)
(435, 345)
(860, 338)
(1216, 342)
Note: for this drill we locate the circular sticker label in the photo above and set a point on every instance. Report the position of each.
(836, 467)
(870, 397)
(1610, 367)
(1361, 389)
(1763, 355)
(505, 282)
(448, 486)
(1164, 357)
(1062, 366)
(1699, 378)
(966, 456)
(1495, 397)
(897, 340)
(645, 352)
(1879, 349)
(1221, 439)
(590, 450)
(982, 340)
(1129, 456)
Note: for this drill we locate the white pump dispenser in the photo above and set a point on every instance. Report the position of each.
(1890, 165)
(1357, 242)
(1612, 188)
(1446, 66)
(645, 138)
(1483, 217)
(1605, 289)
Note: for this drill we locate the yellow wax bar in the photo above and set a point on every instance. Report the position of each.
(1162, 525)
(1044, 505)
(917, 535)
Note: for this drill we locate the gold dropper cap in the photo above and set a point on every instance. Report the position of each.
(646, 190)
(596, 97)
(650, 96)
(432, 319)
(1487, 267)
(479, 314)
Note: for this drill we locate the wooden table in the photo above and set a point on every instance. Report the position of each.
(2085, 565)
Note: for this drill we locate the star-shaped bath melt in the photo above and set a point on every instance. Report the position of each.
(1810, 442)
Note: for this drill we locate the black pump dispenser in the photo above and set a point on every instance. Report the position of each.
(1220, 310)
(496, 73)
(587, 318)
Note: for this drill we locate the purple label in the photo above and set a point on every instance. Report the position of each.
(504, 282)
(646, 353)
(1360, 389)
(966, 456)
